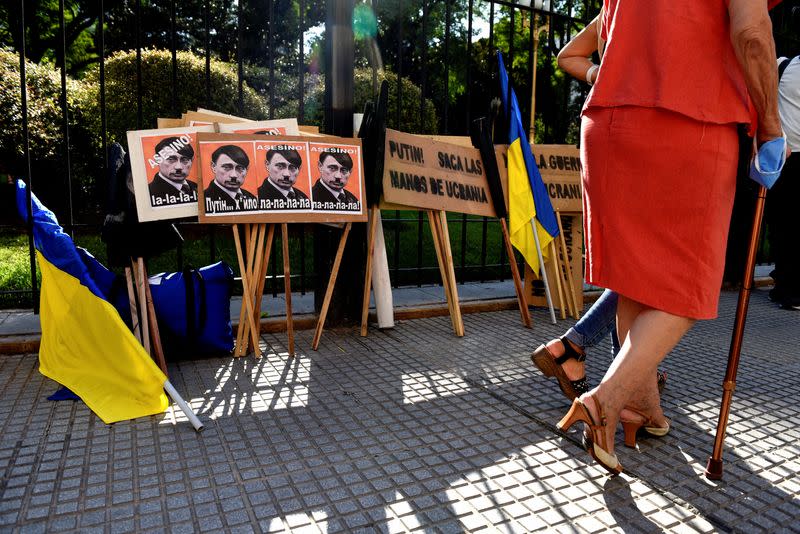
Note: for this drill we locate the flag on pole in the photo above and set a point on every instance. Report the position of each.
(527, 195)
(85, 344)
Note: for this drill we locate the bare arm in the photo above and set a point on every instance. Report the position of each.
(751, 35)
(574, 57)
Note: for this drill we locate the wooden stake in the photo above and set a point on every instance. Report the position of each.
(263, 258)
(558, 273)
(246, 300)
(373, 221)
(155, 335)
(323, 312)
(256, 268)
(241, 335)
(135, 326)
(138, 267)
(287, 285)
(518, 288)
(436, 233)
(451, 271)
(262, 273)
(570, 281)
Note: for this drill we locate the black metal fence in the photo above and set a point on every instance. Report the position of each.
(87, 71)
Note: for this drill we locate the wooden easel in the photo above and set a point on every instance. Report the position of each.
(524, 312)
(143, 315)
(565, 287)
(253, 262)
(441, 242)
(323, 313)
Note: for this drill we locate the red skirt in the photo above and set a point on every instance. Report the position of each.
(658, 193)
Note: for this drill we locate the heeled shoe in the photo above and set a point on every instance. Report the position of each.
(550, 365)
(595, 443)
(646, 424)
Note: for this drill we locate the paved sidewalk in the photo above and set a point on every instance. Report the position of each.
(410, 429)
(24, 323)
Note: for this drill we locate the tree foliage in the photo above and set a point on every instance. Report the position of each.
(121, 85)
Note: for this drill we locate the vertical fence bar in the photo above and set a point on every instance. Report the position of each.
(463, 262)
(103, 123)
(501, 246)
(484, 232)
(207, 20)
(271, 12)
(419, 249)
(302, 259)
(491, 27)
(62, 59)
(470, 15)
(399, 62)
(511, 31)
(532, 41)
(138, 18)
(301, 69)
(239, 63)
(23, 87)
(447, 13)
(397, 224)
(424, 68)
(174, 48)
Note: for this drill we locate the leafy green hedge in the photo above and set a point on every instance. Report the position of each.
(156, 69)
(45, 120)
(410, 119)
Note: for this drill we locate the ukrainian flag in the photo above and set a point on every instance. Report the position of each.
(527, 195)
(85, 344)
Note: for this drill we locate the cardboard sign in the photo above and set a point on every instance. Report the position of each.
(164, 172)
(265, 179)
(426, 174)
(560, 166)
(272, 127)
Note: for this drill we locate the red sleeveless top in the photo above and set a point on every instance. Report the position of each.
(671, 54)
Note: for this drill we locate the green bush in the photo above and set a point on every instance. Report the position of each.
(156, 69)
(364, 92)
(45, 119)
(410, 118)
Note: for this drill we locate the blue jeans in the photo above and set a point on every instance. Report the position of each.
(598, 321)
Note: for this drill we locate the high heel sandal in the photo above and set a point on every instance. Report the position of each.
(595, 443)
(550, 365)
(647, 424)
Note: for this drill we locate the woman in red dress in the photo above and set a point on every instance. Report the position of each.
(659, 148)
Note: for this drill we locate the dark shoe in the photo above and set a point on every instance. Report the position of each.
(789, 300)
(776, 294)
(550, 365)
(661, 380)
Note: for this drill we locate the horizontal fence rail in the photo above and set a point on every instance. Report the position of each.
(93, 70)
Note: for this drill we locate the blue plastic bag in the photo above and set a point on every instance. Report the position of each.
(193, 310)
(768, 161)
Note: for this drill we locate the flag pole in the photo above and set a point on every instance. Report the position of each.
(173, 393)
(544, 271)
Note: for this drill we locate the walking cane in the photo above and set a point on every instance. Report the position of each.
(714, 467)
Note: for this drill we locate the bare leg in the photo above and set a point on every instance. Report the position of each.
(649, 335)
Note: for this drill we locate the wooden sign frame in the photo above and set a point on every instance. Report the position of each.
(255, 146)
(281, 127)
(433, 175)
(156, 199)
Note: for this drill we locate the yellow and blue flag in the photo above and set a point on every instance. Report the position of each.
(528, 199)
(85, 344)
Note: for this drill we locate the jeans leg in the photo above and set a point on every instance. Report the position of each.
(598, 321)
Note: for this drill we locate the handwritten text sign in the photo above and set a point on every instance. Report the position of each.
(427, 174)
(560, 166)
